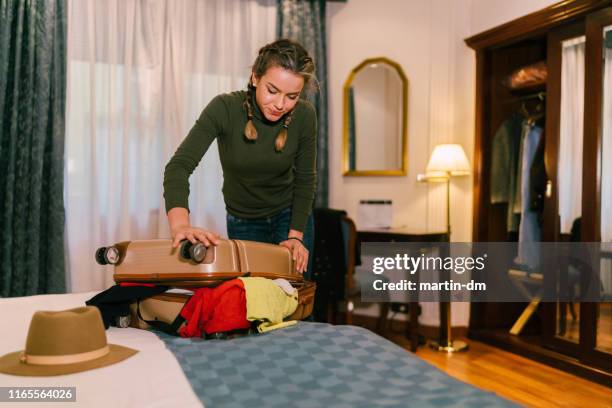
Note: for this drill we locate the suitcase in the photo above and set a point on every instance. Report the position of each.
(155, 261)
(167, 306)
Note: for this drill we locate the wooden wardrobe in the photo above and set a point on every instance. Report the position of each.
(499, 52)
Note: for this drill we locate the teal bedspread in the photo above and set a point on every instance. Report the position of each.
(318, 365)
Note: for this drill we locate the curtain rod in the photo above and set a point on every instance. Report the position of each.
(538, 95)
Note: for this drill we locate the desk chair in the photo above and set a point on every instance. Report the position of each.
(335, 256)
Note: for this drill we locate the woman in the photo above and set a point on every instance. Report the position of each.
(267, 146)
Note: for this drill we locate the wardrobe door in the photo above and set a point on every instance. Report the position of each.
(564, 166)
(604, 317)
(596, 325)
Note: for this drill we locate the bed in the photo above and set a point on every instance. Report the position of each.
(307, 365)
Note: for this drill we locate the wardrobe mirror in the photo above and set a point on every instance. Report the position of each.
(375, 122)
(569, 172)
(604, 321)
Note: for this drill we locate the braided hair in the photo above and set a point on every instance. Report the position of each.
(288, 55)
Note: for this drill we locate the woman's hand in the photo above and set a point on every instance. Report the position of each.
(193, 234)
(181, 229)
(299, 253)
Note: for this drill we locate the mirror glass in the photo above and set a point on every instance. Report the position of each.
(569, 173)
(375, 101)
(604, 318)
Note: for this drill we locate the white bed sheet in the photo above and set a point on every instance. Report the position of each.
(151, 378)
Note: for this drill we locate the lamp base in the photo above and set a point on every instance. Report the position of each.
(452, 347)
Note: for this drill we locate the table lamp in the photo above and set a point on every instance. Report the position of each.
(446, 161)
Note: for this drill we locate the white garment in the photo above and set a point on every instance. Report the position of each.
(285, 286)
(139, 74)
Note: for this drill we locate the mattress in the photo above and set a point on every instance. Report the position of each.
(307, 365)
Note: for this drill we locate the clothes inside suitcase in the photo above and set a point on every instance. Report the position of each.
(166, 307)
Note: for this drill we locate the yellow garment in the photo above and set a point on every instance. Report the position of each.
(262, 328)
(267, 302)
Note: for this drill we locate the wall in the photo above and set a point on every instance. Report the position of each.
(426, 39)
(487, 14)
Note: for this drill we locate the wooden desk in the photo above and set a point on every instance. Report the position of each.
(400, 235)
(403, 235)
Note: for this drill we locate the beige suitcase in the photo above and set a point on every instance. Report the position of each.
(155, 261)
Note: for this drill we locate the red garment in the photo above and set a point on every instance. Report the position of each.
(148, 285)
(220, 309)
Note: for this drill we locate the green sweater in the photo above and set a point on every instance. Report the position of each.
(257, 181)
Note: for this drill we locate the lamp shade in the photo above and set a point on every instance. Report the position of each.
(448, 159)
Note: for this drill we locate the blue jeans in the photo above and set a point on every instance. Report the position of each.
(273, 230)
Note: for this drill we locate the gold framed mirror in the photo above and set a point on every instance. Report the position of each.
(375, 123)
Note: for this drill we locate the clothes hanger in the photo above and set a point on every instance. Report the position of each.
(539, 111)
(524, 111)
(532, 117)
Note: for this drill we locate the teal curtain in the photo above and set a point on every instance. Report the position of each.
(304, 21)
(32, 105)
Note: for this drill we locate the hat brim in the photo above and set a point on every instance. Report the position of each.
(11, 364)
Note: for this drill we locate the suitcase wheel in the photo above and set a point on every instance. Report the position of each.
(123, 321)
(107, 255)
(195, 252)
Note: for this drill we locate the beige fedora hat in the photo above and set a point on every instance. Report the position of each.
(64, 342)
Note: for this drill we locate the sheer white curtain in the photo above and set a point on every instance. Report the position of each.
(139, 74)
(606, 170)
(606, 148)
(571, 132)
